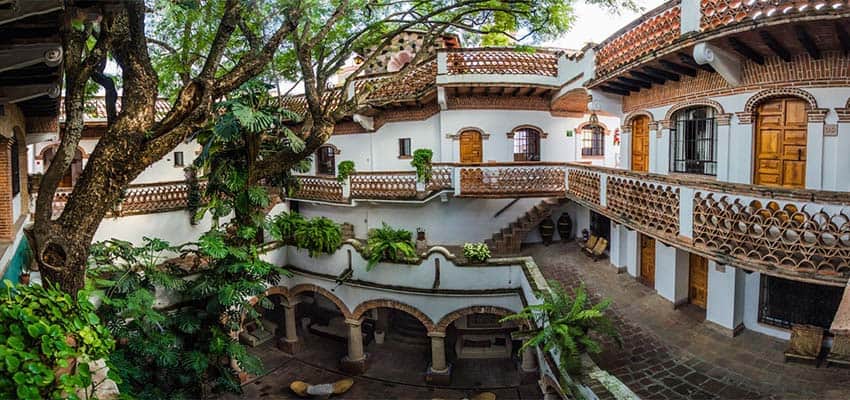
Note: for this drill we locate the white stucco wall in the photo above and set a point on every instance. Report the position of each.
(170, 226)
(726, 291)
(671, 273)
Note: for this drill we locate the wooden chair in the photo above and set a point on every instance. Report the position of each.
(806, 342)
(598, 251)
(840, 352)
(591, 241)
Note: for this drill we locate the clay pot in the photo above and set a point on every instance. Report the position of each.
(547, 230)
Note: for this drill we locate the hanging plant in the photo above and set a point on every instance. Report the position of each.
(344, 170)
(389, 244)
(422, 162)
(193, 195)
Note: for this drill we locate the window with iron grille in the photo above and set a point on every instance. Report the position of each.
(404, 147)
(783, 302)
(16, 167)
(593, 141)
(326, 164)
(693, 141)
(526, 144)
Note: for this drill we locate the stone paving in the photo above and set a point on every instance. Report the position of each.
(674, 354)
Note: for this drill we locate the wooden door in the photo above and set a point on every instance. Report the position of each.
(647, 261)
(640, 143)
(470, 147)
(780, 156)
(698, 281)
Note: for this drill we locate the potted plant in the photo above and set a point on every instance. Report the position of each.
(422, 162)
(547, 230)
(388, 244)
(476, 252)
(344, 170)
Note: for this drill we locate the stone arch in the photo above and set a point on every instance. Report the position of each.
(456, 135)
(756, 99)
(40, 155)
(311, 288)
(718, 108)
(336, 150)
(582, 125)
(627, 120)
(396, 305)
(455, 315)
(543, 134)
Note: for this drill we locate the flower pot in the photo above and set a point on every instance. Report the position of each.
(379, 336)
(565, 227)
(24, 279)
(547, 230)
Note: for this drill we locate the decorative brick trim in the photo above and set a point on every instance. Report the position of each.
(7, 223)
(455, 315)
(766, 94)
(543, 134)
(843, 114)
(666, 124)
(456, 136)
(42, 124)
(466, 102)
(40, 155)
(581, 126)
(653, 126)
(387, 303)
(627, 121)
(817, 115)
(723, 119)
(625, 129)
(337, 151)
(692, 103)
(744, 118)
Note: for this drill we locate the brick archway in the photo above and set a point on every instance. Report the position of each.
(627, 120)
(387, 303)
(292, 294)
(766, 94)
(718, 108)
(455, 315)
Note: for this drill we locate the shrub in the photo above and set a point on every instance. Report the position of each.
(48, 341)
(344, 170)
(284, 226)
(476, 252)
(318, 235)
(422, 162)
(388, 244)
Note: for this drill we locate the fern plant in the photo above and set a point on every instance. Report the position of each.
(566, 322)
(388, 244)
(284, 225)
(318, 235)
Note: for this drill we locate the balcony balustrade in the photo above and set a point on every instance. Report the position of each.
(498, 61)
(384, 185)
(141, 198)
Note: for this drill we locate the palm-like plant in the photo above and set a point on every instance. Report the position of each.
(565, 323)
(388, 244)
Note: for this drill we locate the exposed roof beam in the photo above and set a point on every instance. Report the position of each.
(679, 69)
(661, 73)
(689, 61)
(27, 55)
(15, 94)
(609, 89)
(843, 37)
(775, 46)
(746, 51)
(647, 77)
(635, 82)
(623, 86)
(24, 8)
(808, 43)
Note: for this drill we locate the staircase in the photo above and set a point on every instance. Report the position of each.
(508, 240)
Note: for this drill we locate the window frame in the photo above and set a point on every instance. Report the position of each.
(326, 160)
(175, 156)
(592, 141)
(405, 148)
(526, 146)
(693, 141)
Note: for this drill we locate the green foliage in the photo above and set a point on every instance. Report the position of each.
(173, 332)
(422, 162)
(284, 226)
(476, 252)
(193, 197)
(566, 323)
(389, 244)
(319, 235)
(344, 170)
(43, 332)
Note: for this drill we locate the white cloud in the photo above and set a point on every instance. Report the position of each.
(595, 24)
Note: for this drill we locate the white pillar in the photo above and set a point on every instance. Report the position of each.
(632, 252)
(626, 148)
(686, 212)
(654, 133)
(614, 252)
(662, 148)
(529, 359)
(671, 273)
(724, 146)
(438, 352)
(691, 15)
(355, 340)
(741, 149)
(815, 149)
(842, 148)
(289, 322)
(726, 292)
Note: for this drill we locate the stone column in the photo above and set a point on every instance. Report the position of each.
(289, 344)
(528, 365)
(355, 361)
(439, 372)
(741, 149)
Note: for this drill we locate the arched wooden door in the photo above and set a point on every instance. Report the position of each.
(640, 143)
(780, 156)
(470, 147)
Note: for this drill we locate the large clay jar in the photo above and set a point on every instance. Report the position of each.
(565, 227)
(547, 230)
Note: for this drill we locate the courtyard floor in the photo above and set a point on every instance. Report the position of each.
(674, 354)
(396, 371)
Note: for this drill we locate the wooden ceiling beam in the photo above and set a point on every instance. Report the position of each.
(746, 51)
(623, 86)
(609, 89)
(660, 73)
(647, 77)
(808, 43)
(679, 69)
(843, 37)
(635, 82)
(688, 60)
(775, 46)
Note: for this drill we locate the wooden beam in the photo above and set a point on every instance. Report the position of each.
(647, 77)
(843, 37)
(679, 69)
(775, 46)
(689, 61)
(635, 82)
(746, 51)
(609, 89)
(808, 43)
(623, 86)
(660, 73)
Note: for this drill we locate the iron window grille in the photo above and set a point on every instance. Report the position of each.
(327, 162)
(783, 302)
(16, 167)
(593, 141)
(404, 147)
(526, 145)
(694, 142)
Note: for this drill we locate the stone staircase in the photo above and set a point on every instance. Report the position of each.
(509, 239)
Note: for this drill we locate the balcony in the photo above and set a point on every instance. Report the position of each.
(498, 66)
(141, 198)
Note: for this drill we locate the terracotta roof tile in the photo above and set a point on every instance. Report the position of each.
(95, 108)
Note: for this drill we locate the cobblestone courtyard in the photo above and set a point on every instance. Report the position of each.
(673, 354)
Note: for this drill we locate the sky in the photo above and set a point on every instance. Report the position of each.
(593, 24)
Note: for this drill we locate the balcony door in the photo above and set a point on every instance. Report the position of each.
(647, 261)
(470, 147)
(781, 143)
(698, 281)
(640, 143)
